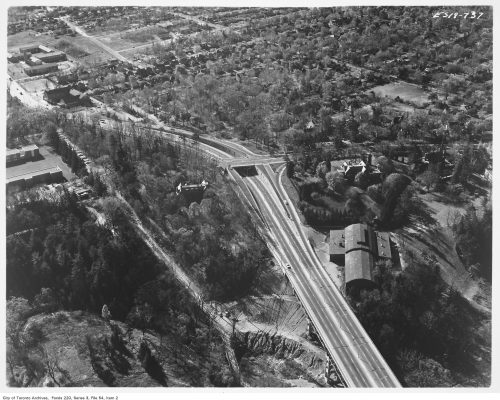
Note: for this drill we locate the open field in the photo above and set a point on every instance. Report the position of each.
(119, 41)
(129, 39)
(50, 159)
(25, 38)
(82, 49)
(406, 92)
(76, 47)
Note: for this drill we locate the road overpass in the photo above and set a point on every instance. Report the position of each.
(252, 161)
(344, 338)
(342, 335)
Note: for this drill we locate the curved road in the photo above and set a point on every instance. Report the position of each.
(343, 336)
(358, 359)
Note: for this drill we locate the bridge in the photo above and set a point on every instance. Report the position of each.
(252, 161)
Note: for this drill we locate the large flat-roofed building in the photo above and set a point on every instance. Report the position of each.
(41, 69)
(16, 156)
(25, 181)
(31, 48)
(53, 56)
(358, 247)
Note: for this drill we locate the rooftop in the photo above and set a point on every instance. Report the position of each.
(383, 245)
(337, 242)
(51, 170)
(43, 66)
(25, 148)
(358, 265)
(360, 237)
(43, 55)
(360, 245)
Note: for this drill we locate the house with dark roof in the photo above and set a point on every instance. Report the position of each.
(66, 97)
(358, 247)
(351, 168)
(192, 188)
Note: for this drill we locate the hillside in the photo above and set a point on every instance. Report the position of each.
(81, 349)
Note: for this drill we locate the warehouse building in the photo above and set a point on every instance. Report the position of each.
(54, 56)
(19, 156)
(26, 181)
(358, 247)
(31, 48)
(41, 69)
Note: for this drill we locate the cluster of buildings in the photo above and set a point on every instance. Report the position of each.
(39, 59)
(26, 179)
(20, 177)
(66, 97)
(92, 17)
(358, 247)
(419, 159)
(42, 21)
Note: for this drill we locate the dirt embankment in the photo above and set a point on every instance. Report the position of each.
(271, 360)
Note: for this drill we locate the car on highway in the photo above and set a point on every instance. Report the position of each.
(288, 266)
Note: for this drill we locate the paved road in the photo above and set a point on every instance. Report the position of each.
(345, 339)
(255, 160)
(358, 359)
(343, 336)
(94, 40)
(27, 98)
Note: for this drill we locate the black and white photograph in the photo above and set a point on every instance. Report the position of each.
(240, 196)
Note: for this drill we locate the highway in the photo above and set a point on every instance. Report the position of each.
(343, 336)
(345, 340)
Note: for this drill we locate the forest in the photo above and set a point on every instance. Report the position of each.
(58, 258)
(80, 265)
(416, 304)
(211, 235)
